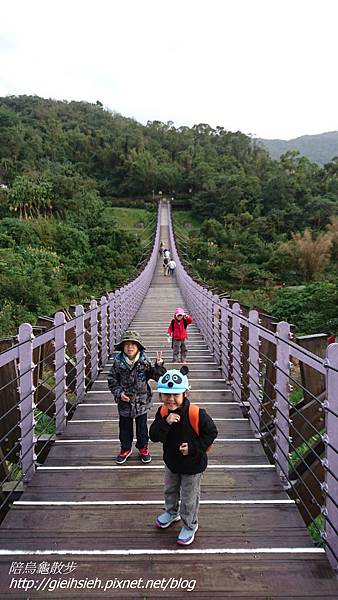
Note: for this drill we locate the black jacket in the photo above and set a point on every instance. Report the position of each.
(172, 436)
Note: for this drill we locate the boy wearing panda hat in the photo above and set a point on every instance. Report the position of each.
(186, 432)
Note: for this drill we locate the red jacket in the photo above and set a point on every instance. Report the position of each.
(180, 328)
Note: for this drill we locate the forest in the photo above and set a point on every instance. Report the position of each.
(263, 230)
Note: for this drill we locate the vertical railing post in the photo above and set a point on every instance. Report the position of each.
(201, 312)
(225, 338)
(60, 372)
(111, 306)
(282, 387)
(130, 292)
(132, 295)
(207, 309)
(216, 334)
(127, 306)
(94, 347)
(254, 372)
(124, 308)
(27, 405)
(331, 458)
(236, 351)
(121, 310)
(211, 321)
(80, 352)
(118, 315)
(104, 347)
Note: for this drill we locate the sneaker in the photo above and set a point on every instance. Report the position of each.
(145, 455)
(166, 519)
(122, 457)
(186, 536)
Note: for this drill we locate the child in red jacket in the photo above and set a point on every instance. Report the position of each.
(178, 332)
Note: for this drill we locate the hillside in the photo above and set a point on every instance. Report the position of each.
(321, 148)
(68, 170)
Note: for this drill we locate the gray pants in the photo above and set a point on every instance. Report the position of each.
(187, 489)
(177, 346)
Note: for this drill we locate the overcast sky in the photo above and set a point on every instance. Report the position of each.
(264, 67)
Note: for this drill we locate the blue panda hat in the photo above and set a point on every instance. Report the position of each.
(174, 381)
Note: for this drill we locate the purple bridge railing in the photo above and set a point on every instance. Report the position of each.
(235, 340)
(75, 351)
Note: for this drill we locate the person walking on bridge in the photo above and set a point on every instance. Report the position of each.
(178, 332)
(165, 266)
(128, 381)
(186, 432)
(171, 267)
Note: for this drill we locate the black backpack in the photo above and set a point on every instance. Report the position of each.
(173, 323)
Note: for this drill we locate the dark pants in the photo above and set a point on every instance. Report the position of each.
(127, 432)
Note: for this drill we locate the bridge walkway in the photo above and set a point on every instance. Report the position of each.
(82, 509)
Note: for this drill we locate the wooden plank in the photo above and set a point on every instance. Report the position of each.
(306, 421)
(9, 384)
(134, 484)
(195, 396)
(101, 528)
(244, 529)
(103, 410)
(252, 576)
(313, 381)
(211, 373)
(80, 430)
(104, 453)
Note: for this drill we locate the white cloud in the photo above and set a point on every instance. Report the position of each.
(261, 66)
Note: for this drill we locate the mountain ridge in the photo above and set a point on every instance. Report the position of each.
(320, 148)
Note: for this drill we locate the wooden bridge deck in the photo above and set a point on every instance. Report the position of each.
(82, 507)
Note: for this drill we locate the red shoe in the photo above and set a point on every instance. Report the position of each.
(145, 455)
(122, 457)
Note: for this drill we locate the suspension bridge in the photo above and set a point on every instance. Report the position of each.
(74, 516)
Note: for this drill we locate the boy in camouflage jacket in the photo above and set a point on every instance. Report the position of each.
(128, 381)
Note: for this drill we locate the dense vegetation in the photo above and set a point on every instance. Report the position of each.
(61, 241)
(63, 166)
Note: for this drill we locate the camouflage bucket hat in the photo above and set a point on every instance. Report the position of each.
(129, 336)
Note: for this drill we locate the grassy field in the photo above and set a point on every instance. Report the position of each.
(138, 221)
(184, 219)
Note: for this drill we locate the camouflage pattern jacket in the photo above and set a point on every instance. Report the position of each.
(133, 381)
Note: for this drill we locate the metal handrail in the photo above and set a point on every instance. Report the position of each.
(204, 305)
(100, 326)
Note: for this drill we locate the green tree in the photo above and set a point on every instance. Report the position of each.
(311, 254)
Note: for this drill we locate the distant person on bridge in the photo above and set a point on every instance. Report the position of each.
(166, 253)
(186, 432)
(171, 267)
(165, 266)
(161, 248)
(128, 381)
(178, 332)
